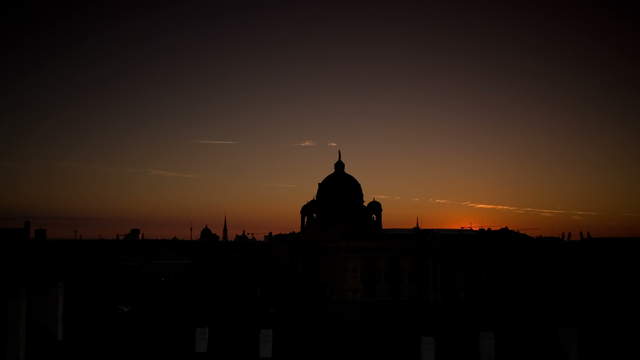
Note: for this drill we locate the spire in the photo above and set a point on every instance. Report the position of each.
(339, 165)
(225, 233)
(417, 223)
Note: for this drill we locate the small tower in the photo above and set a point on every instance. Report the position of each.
(375, 214)
(225, 232)
(308, 215)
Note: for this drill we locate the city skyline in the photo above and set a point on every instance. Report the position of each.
(459, 115)
(72, 227)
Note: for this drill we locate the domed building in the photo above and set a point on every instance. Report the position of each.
(207, 235)
(339, 205)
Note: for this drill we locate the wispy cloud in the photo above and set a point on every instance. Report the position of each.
(216, 142)
(415, 199)
(157, 172)
(439, 201)
(332, 144)
(520, 210)
(306, 143)
(378, 196)
(382, 196)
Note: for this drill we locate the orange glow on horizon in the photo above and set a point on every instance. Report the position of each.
(242, 113)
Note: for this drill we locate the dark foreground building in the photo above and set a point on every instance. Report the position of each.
(341, 287)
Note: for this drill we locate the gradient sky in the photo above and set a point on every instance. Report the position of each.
(520, 115)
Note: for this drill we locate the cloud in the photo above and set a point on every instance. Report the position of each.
(585, 212)
(439, 201)
(380, 196)
(488, 206)
(332, 144)
(216, 142)
(543, 212)
(169, 173)
(307, 143)
(415, 199)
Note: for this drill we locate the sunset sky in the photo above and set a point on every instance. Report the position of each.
(156, 117)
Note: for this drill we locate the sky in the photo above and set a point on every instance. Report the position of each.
(163, 115)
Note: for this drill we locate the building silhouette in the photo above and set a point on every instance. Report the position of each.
(19, 233)
(343, 286)
(207, 235)
(134, 234)
(338, 208)
(225, 231)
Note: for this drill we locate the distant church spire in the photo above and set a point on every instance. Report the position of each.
(339, 155)
(417, 223)
(225, 233)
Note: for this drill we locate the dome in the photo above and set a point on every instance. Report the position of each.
(338, 207)
(339, 189)
(207, 234)
(374, 205)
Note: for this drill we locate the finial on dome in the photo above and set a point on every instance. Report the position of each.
(339, 165)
